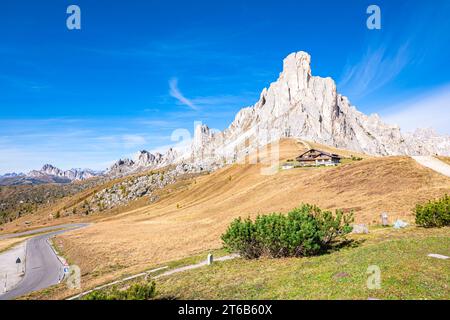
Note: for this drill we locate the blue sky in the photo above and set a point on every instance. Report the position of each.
(137, 70)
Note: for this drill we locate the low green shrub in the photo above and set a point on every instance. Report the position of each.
(137, 291)
(434, 213)
(240, 237)
(304, 231)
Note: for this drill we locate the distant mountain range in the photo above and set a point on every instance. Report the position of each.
(298, 105)
(48, 174)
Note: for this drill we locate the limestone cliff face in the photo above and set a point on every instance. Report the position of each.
(304, 106)
(144, 161)
(298, 105)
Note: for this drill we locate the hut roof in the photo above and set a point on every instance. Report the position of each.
(314, 154)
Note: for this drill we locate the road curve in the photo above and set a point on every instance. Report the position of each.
(42, 267)
(41, 230)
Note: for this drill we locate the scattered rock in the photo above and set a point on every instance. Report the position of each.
(438, 256)
(400, 224)
(153, 199)
(341, 275)
(360, 229)
(137, 187)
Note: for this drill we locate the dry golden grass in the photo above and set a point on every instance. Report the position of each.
(6, 244)
(45, 216)
(190, 219)
(445, 159)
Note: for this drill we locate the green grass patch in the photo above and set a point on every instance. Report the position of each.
(406, 273)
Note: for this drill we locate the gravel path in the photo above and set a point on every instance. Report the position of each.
(434, 164)
(165, 274)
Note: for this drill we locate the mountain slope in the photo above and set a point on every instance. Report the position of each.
(308, 107)
(190, 220)
(297, 105)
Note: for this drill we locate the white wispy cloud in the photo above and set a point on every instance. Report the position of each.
(176, 93)
(428, 110)
(133, 140)
(375, 69)
(27, 144)
(23, 83)
(223, 100)
(389, 53)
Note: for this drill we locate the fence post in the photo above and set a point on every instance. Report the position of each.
(210, 259)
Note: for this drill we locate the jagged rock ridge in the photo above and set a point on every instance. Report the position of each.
(144, 161)
(71, 175)
(48, 174)
(303, 106)
(298, 105)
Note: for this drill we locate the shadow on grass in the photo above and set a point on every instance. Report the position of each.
(348, 243)
(166, 298)
(332, 248)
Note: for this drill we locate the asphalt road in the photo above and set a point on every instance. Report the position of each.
(41, 230)
(42, 267)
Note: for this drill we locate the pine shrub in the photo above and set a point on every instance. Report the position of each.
(137, 291)
(304, 231)
(434, 213)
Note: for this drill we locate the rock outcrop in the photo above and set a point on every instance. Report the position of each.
(71, 175)
(300, 105)
(144, 161)
(133, 188)
(428, 142)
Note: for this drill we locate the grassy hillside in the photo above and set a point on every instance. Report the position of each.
(53, 204)
(27, 201)
(190, 219)
(191, 215)
(401, 255)
(406, 272)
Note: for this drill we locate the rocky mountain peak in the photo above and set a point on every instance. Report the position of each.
(144, 158)
(47, 166)
(51, 170)
(144, 161)
(300, 105)
(297, 105)
(296, 71)
(202, 135)
(48, 174)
